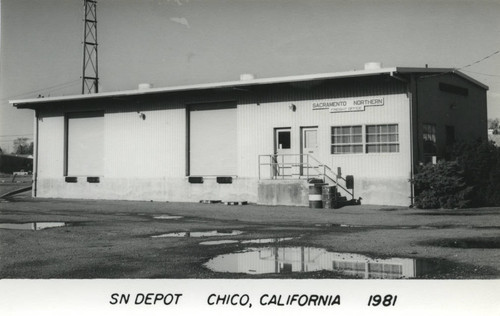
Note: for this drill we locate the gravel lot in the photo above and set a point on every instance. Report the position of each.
(113, 239)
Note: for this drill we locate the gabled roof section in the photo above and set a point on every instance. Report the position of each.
(439, 71)
(34, 103)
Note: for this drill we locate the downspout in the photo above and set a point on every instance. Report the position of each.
(411, 93)
(35, 162)
(412, 143)
(414, 130)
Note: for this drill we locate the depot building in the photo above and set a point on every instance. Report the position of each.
(256, 140)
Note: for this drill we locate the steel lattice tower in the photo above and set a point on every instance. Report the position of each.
(90, 78)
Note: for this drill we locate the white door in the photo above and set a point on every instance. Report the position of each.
(309, 149)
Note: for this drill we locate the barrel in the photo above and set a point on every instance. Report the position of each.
(329, 196)
(315, 195)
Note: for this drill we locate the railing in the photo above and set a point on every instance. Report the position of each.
(299, 166)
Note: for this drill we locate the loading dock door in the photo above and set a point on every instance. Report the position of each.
(212, 139)
(85, 144)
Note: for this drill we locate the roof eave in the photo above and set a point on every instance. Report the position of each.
(32, 103)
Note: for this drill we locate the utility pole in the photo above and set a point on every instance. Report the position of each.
(90, 78)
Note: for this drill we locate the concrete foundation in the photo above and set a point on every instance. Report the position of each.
(383, 191)
(283, 192)
(266, 192)
(157, 189)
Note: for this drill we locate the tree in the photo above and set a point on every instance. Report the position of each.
(494, 124)
(22, 147)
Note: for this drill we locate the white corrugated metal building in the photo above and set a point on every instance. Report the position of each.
(256, 140)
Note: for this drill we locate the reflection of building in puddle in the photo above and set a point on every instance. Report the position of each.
(212, 233)
(250, 241)
(32, 226)
(305, 259)
(218, 242)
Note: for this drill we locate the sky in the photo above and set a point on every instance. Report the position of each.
(177, 42)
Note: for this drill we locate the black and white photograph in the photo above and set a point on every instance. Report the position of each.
(281, 157)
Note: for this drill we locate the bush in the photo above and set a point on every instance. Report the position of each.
(441, 186)
(481, 164)
(472, 179)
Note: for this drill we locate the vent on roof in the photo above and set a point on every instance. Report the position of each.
(247, 77)
(144, 86)
(373, 66)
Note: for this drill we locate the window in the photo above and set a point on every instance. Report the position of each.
(284, 139)
(445, 87)
(310, 139)
(347, 140)
(382, 138)
(429, 138)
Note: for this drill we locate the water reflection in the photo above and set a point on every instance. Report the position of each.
(306, 259)
(218, 242)
(167, 217)
(32, 226)
(202, 234)
(249, 241)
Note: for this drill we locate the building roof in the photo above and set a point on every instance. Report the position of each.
(32, 103)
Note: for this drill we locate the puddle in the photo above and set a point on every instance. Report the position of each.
(456, 213)
(218, 242)
(391, 227)
(167, 217)
(250, 241)
(341, 225)
(32, 226)
(438, 226)
(265, 260)
(465, 243)
(213, 233)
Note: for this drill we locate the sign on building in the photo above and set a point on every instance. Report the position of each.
(348, 105)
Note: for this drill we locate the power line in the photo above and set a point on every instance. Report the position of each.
(54, 87)
(17, 135)
(459, 69)
(480, 73)
(480, 60)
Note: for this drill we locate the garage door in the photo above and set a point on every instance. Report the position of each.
(85, 144)
(212, 139)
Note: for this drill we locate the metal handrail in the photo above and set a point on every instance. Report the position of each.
(305, 162)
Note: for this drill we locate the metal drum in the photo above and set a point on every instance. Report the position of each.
(315, 195)
(329, 196)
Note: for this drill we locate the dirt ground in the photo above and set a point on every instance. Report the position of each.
(113, 239)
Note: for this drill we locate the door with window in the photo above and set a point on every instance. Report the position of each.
(309, 149)
(282, 160)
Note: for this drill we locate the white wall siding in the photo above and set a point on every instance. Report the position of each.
(380, 178)
(257, 123)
